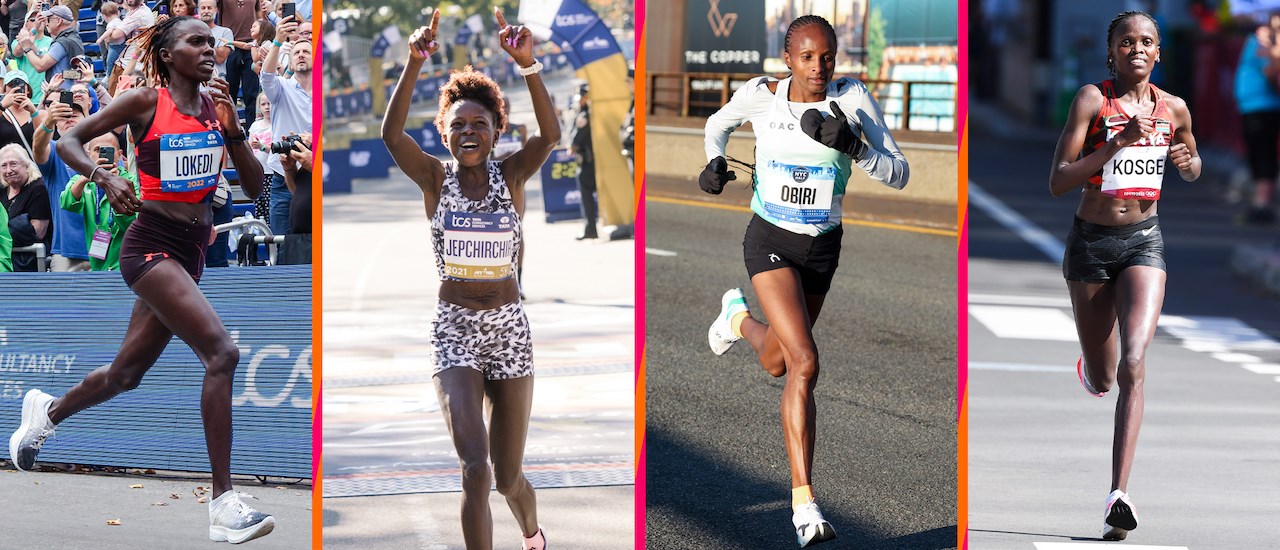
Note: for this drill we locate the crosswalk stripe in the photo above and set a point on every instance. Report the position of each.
(1032, 323)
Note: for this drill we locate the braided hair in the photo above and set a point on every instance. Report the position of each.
(1111, 29)
(476, 86)
(150, 42)
(804, 21)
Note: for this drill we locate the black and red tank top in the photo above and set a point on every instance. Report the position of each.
(1147, 154)
(180, 156)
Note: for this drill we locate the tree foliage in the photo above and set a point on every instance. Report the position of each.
(370, 18)
(875, 42)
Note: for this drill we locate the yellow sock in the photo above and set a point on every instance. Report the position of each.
(735, 324)
(801, 496)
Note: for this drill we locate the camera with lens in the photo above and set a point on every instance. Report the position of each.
(285, 145)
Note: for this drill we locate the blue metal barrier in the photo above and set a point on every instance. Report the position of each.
(57, 327)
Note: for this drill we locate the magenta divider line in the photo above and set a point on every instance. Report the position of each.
(639, 278)
(317, 113)
(962, 255)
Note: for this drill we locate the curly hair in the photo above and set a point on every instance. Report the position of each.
(804, 21)
(476, 86)
(151, 41)
(1111, 30)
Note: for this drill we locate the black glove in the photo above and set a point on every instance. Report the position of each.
(715, 175)
(834, 132)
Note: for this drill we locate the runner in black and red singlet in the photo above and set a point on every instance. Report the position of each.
(181, 135)
(1121, 136)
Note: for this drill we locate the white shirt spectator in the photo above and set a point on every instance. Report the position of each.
(222, 37)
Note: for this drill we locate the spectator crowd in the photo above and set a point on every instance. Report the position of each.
(64, 61)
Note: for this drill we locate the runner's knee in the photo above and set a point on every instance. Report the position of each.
(1131, 371)
(475, 474)
(123, 380)
(509, 481)
(223, 358)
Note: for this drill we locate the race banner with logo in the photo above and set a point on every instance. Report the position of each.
(591, 48)
(55, 330)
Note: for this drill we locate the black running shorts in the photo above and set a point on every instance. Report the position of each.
(1098, 253)
(151, 239)
(766, 247)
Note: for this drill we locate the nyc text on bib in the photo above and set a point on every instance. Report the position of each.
(798, 194)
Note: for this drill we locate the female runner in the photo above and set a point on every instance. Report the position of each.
(162, 255)
(1118, 133)
(480, 336)
(792, 245)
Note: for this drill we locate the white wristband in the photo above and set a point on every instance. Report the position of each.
(531, 69)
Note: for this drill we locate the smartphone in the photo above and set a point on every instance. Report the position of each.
(107, 154)
(164, 10)
(72, 74)
(67, 97)
(288, 10)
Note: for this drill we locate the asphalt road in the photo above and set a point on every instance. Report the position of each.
(885, 465)
(71, 510)
(1039, 447)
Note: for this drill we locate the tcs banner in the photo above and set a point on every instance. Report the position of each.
(55, 328)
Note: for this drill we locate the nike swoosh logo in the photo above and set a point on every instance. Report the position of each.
(1147, 232)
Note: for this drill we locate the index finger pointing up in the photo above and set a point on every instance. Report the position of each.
(502, 21)
(435, 21)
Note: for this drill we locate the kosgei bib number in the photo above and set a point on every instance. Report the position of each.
(1137, 171)
(478, 246)
(190, 162)
(798, 194)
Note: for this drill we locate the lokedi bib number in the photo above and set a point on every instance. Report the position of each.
(1137, 171)
(798, 194)
(190, 162)
(478, 246)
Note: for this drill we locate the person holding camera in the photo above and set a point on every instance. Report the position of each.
(66, 44)
(103, 228)
(295, 158)
(68, 251)
(18, 110)
(290, 113)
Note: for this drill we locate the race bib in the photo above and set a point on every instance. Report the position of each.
(478, 246)
(190, 162)
(1137, 171)
(798, 194)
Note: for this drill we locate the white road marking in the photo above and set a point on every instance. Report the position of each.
(1044, 242)
(1032, 323)
(658, 252)
(1018, 367)
(1263, 368)
(1004, 300)
(1085, 545)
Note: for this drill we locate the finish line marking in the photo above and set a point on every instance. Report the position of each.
(1080, 545)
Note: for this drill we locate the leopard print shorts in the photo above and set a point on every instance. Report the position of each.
(496, 342)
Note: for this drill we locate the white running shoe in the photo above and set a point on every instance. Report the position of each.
(721, 336)
(231, 520)
(537, 542)
(811, 527)
(25, 443)
(1120, 518)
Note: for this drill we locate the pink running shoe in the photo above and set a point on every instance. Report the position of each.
(1085, 381)
(537, 542)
